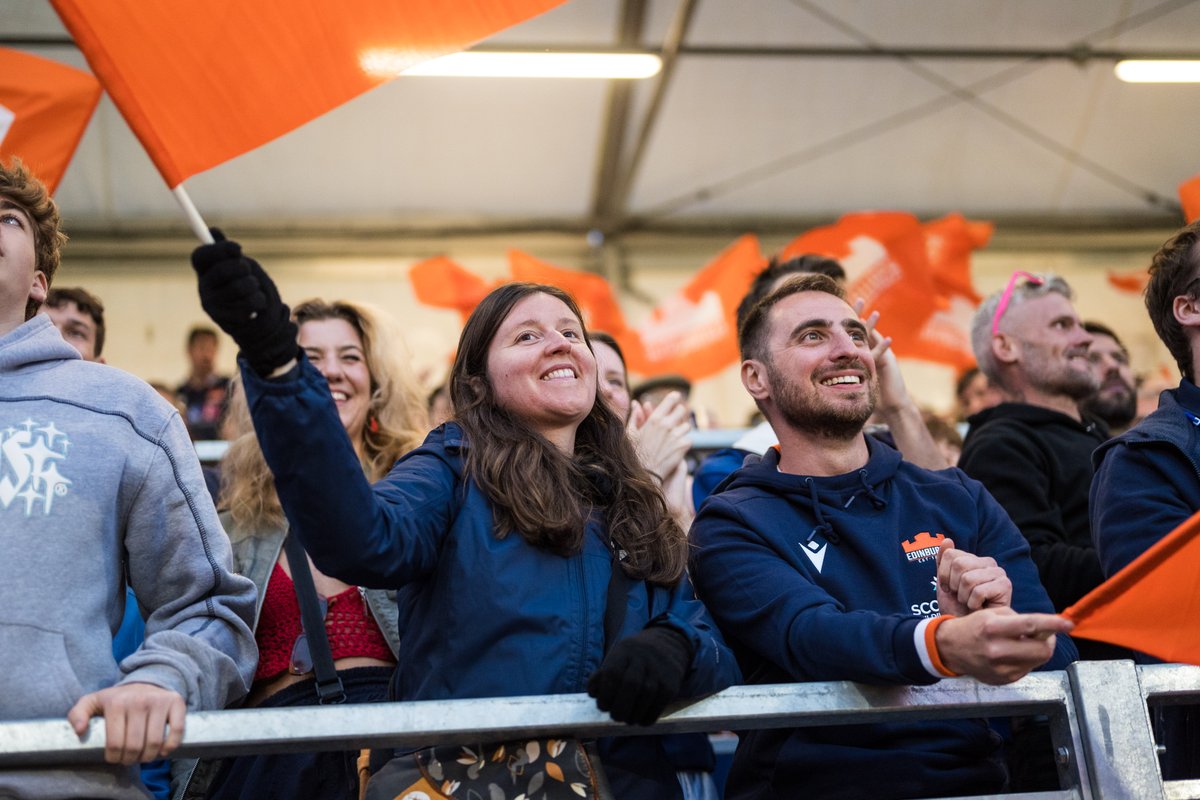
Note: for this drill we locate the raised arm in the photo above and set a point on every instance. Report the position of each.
(374, 538)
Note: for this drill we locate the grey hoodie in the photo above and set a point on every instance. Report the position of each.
(99, 484)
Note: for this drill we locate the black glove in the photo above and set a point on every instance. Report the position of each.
(642, 674)
(240, 297)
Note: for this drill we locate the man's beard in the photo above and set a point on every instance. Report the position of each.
(1075, 383)
(811, 413)
(1116, 410)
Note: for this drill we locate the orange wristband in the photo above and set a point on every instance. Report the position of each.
(935, 657)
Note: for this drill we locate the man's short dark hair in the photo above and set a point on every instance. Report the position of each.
(1102, 329)
(776, 269)
(1174, 271)
(200, 332)
(752, 333)
(86, 302)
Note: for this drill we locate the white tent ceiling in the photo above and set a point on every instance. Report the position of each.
(775, 111)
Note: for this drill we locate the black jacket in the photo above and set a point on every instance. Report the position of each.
(1038, 464)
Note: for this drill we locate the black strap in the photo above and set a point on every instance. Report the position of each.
(329, 683)
(617, 600)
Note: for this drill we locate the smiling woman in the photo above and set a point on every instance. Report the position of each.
(529, 550)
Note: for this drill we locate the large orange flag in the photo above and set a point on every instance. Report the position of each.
(203, 82)
(1152, 605)
(44, 109)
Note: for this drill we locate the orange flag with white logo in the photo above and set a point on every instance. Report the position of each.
(945, 338)
(203, 82)
(917, 276)
(694, 332)
(45, 107)
(593, 294)
(883, 253)
(1153, 603)
(1189, 196)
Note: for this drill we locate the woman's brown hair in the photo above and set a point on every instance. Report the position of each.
(396, 417)
(542, 493)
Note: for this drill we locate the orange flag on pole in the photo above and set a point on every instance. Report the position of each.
(203, 82)
(1189, 195)
(45, 107)
(1153, 603)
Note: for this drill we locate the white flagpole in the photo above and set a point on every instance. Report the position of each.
(193, 216)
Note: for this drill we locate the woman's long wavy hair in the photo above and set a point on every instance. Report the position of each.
(539, 491)
(396, 417)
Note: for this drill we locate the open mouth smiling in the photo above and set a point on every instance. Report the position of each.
(851, 380)
(561, 373)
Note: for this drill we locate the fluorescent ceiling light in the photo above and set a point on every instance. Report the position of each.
(517, 65)
(1136, 71)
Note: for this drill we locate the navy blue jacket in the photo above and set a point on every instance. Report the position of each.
(827, 578)
(480, 616)
(1147, 480)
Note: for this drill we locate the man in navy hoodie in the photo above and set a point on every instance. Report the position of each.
(1147, 479)
(834, 559)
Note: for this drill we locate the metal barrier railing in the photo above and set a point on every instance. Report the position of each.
(1099, 723)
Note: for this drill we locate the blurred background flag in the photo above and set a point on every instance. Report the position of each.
(44, 109)
(203, 82)
(1189, 196)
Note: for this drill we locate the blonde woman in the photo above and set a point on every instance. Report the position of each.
(360, 356)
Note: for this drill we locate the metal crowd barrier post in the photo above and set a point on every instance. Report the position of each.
(1118, 746)
(1173, 684)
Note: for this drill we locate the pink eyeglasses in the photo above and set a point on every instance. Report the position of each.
(1006, 296)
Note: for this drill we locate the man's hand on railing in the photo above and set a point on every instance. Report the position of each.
(998, 645)
(136, 716)
(967, 582)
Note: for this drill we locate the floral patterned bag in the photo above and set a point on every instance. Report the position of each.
(528, 769)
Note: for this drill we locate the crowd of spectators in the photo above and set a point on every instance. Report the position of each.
(535, 526)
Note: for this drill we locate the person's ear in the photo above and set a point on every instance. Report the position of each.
(1005, 348)
(754, 378)
(1186, 310)
(39, 288)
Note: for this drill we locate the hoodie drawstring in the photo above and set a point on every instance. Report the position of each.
(823, 527)
(875, 499)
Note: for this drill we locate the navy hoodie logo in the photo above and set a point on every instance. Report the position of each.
(814, 547)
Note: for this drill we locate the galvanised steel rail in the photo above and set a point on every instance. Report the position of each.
(1099, 723)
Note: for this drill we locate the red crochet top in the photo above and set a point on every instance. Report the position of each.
(351, 628)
